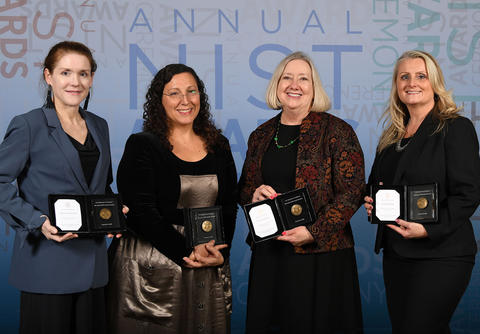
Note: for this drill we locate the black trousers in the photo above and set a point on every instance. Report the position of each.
(422, 294)
(74, 313)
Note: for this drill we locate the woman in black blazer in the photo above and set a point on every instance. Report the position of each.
(426, 267)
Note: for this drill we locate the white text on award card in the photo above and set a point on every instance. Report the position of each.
(387, 204)
(68, 215)
(263, 220)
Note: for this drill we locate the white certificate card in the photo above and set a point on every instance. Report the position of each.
(68, 215)
(387, 204)
(263, 220)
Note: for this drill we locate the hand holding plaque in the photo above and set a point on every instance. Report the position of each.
(414, 203)
(269, 218)
(86, 214)
(203, 225)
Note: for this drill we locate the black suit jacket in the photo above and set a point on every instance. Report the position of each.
(449, 158)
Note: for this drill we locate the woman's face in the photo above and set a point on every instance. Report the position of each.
(70, 80)
(413, 86)
(181, 99)
(295, 88)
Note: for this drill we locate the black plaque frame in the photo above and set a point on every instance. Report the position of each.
(111, 221)
(409, 211)
(197, 223)
(281, 207)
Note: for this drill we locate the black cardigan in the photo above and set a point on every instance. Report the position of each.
(149, 184)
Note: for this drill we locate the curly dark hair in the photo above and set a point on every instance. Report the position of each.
(155, 117)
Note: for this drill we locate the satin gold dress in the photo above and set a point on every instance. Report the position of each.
(149, 293)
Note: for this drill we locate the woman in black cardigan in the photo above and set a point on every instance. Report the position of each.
(427, 267)
(159, 284)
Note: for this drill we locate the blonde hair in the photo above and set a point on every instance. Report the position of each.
(320, 103)
(396, 114)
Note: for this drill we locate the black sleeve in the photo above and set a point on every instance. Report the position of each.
(139, 176)
(108, 188)
(229, 200)
(463, 178)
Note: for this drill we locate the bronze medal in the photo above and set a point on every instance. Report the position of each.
(422, 203)
(296, 209)
(207, 226)
(105, 214)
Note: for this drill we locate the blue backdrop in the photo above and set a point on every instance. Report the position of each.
(234, 47)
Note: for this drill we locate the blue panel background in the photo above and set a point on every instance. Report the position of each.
(234, 46)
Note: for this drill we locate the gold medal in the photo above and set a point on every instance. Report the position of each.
(105, 214)
(207, 226)
(296, 209)
(422, 203)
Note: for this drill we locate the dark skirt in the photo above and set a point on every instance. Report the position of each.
(302, 293)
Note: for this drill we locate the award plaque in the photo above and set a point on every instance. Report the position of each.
(269, 218)
(413, 203)
(203, 225)
(86, 214)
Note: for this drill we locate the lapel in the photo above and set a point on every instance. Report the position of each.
(415, 148)
(65, 146)
(102, 144)
(312, 132)
(265, 138)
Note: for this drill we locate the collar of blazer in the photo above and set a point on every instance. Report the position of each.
(70, 153)
(415, 147)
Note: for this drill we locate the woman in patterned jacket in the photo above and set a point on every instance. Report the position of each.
(304, 281)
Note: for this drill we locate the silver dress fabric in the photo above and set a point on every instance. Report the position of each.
(149, 293)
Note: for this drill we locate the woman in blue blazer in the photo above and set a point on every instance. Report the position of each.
(59, 148)
(427, 267)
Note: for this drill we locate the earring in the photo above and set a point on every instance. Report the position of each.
(85, 105)
(48, 100)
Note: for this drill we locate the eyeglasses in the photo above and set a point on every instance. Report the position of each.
(191, 94)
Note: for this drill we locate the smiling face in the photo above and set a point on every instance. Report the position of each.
(181, 100)
(70, 80)
(295, 87)
(413, 86)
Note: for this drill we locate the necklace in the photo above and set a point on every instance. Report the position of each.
(276, 139)
(399, 147)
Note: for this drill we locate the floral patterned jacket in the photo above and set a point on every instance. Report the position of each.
(329, 163)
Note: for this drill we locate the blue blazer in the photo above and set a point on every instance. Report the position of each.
(38, 154)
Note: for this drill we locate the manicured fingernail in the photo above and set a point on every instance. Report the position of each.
(284, 233)
(275, 195)
(397, 220)
(272, 197)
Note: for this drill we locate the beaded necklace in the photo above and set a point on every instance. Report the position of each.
(291, 142)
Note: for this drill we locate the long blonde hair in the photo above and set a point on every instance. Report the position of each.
(396, 114)
(320, 103)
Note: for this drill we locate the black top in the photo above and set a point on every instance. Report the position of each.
(200, 167)
(388, 165)
(89, 154)
(279, 164)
